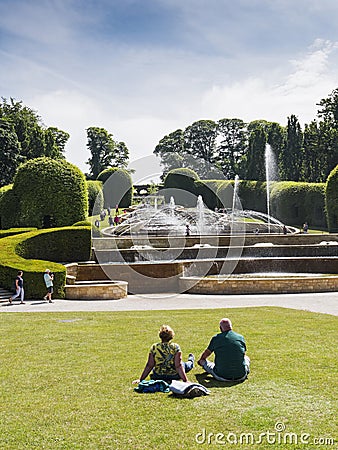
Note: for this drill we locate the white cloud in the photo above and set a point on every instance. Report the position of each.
(312, 77)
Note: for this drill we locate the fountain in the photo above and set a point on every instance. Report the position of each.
(152, 253)
(270, 174)
(234, 198)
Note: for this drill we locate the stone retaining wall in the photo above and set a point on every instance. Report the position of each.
(258, 285)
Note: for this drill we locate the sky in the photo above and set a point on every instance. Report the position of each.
(143, 68)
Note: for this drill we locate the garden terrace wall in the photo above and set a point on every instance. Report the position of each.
(35, 251)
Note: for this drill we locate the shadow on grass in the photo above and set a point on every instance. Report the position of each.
(209, 382)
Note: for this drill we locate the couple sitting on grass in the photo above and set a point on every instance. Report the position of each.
(231, 364)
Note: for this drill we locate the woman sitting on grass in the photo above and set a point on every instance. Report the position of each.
(165, 359)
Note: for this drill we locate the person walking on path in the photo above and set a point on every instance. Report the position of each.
(19, 290)
(48, 278)
(231, 363)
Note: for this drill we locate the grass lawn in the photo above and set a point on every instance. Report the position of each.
(66, 382)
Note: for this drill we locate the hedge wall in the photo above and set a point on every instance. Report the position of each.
(14, 231)
(180, 184)
(35, 251)
(95, 197)
(117, 187)
(209, 190)
(45, 193)
(295, 203)
(331, 201)
(252, 195)
(225, 193)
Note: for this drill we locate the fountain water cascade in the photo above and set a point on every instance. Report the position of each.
(222, 255)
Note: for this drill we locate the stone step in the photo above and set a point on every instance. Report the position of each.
(4, 295)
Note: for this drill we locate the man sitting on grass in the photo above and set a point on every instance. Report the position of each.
(231, 363)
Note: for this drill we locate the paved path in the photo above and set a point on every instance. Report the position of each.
(319, 302)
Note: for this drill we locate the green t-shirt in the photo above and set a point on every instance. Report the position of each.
(229, 348)
(164, 356)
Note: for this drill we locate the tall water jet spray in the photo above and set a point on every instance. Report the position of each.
(271, 175)
(200, 215)
(234, 198)
(172, 205)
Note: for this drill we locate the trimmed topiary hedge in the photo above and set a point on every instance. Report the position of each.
(14, 231)
(331, 201)
(294, 203)
(46, 193)
(225, 193)
(35, 251)
(117, 187)
(95, 197)
(8, 207)
(253, 195)
(180, 184)
(208, 189)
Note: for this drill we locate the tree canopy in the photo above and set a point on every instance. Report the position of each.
(105, 151)
(23, 137)
(234, 147)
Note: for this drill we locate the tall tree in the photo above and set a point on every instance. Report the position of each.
(255, 157)
(232, 138)
(34, 139)
(105, 152)
(290, 158)
(9, 152)
(200, 143)
(329, 115)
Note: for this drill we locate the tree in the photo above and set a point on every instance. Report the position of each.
(329, 108)
(329, 115)
(232, 136)
(105, 152)
(290, 158)
(255, 157)
(9, 152)
(200, 143)
(55, 142)
(33, 138)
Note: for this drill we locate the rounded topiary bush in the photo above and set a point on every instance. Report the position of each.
(331, 201)
(95, 197)
(180, 184)
(50, 193)
(117, 187)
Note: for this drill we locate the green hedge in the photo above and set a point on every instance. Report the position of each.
(331, 201)
(14, 231)
(225, 193)
(46, 193)
(209, 190)
(117, 187)
(180, 184)
(252, 195)
(95, 197)
(294, 203)
(35, 251)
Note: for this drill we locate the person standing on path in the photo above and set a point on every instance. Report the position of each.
(19, 290)
(48, 278)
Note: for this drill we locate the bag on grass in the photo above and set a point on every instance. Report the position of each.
(148, 387)
(188, 390)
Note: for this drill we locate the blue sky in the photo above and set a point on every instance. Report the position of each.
(143, 68)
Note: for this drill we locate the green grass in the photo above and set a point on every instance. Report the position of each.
(66, 380)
